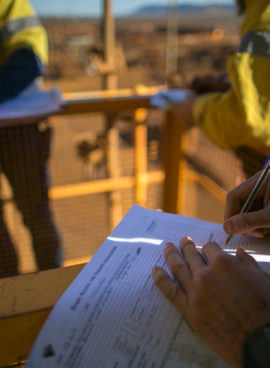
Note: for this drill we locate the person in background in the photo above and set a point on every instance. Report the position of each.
(225, 298)
(24, 149)
(234, 110)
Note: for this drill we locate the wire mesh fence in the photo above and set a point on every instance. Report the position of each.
(78, 157)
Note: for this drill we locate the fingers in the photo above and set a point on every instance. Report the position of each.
(182, 269)
(248, 223)
(237, 196)
(181, 273)
(246, 259)
(170, 289)
(177, 266)
(211, 250)
(192, 257)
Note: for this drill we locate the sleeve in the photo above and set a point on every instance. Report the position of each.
(220, 117)
(20, 70)
(240, 116)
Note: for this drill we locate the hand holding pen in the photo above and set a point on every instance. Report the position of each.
(247, 208)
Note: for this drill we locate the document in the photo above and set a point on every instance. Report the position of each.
(165, 98)
(113, 316)
(32, 103)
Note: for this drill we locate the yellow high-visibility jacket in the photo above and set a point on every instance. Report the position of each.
(241, 116)
(21, 28)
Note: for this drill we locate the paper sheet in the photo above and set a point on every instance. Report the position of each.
(165, 98)
(32, 102)
(113, 315)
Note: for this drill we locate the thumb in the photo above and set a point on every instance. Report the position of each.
(249, 222)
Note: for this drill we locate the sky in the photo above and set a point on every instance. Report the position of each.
(94, 7)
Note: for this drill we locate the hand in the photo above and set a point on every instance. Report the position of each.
(210, 83)
(223, 301)
(183, 110)
(255, 222)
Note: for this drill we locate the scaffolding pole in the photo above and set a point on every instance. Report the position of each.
(171, 66)
(109, 80)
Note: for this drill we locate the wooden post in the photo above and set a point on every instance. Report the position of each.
(173, 163)
(109, 80)
(114, 169)
(140, 143)
(171, 67)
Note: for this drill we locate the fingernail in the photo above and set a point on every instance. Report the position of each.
(240, 250)
(184, 240)
(167, 246)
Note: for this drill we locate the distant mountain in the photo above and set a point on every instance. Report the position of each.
(185, 9)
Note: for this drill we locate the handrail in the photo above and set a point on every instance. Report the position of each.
(20, 322)
(108, 102)
(24, 308)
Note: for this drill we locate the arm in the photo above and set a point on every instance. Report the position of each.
(217, 114)
(224, 301)
(256, 222)
(220, 115)
(238, 116)
(20, 70)
(210, 83)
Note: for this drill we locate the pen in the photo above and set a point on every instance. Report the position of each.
(255, 190)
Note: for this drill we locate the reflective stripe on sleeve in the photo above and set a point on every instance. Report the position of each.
(14, 26)
(255, 43)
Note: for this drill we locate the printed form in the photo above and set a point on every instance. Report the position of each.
(113, 316)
